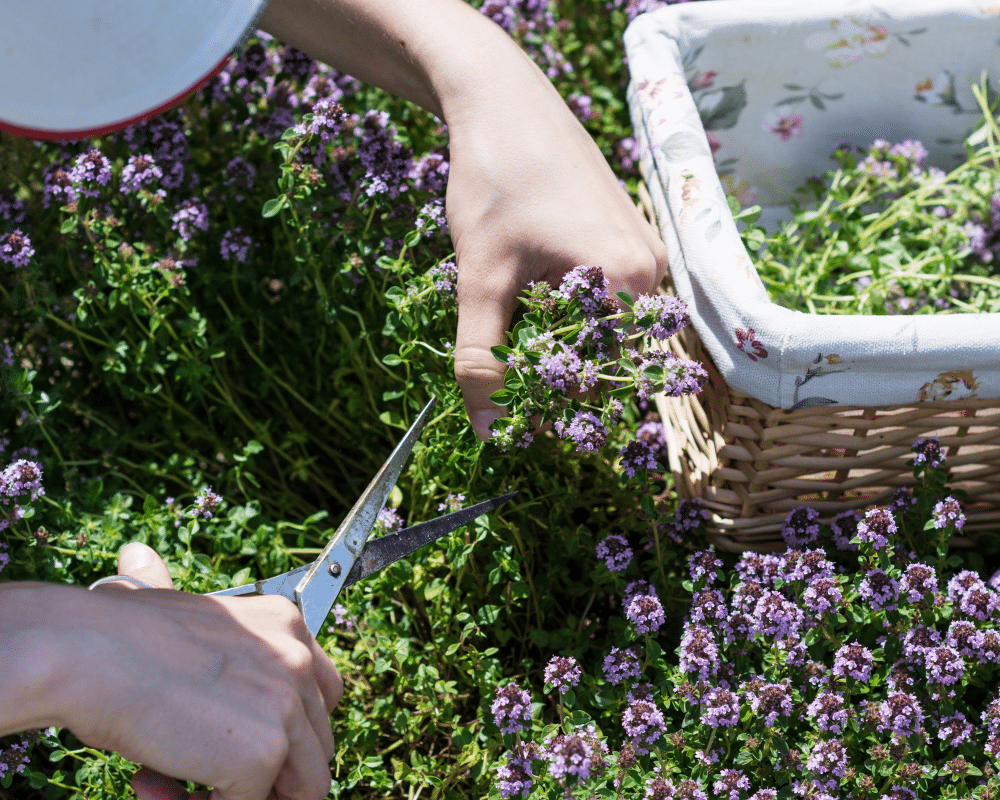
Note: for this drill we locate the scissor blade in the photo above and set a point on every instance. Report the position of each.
(315, 598)
(380, 553)
(283, 584)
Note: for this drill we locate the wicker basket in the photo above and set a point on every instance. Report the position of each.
(752, 463)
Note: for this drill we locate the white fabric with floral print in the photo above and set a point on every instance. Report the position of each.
(749, 99)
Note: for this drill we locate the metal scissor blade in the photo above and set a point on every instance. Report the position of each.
(315, 598)
(380, 553)
(283, 584)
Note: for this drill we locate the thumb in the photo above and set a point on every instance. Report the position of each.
(139, 561)
(483, 320)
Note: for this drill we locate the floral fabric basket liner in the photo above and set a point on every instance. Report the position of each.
(749, 98)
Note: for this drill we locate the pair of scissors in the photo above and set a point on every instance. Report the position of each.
(349, 556)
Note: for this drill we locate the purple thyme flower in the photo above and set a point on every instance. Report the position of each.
(580, 755)
(342, 617)
(680, 375)
(387, 521)
(965, 637)
(901, 713)
(635, 588)
(698, 651)
(708, 606)
(453, 502)
(621, 665)
(651, 432)
(828, 758)
(828, 712)
(880, 590)
(731, 784)
(979, 602)
(991, 717)
(16, 249)
(704, 564)
(205, 503)
(877, 529)
(585, 430)
(962, 583)
(919, 581)
(514, 777)
(918, 640)
(689, 516)
(139, 171)
(191, 214)
(644, 723)
(807, 565)
(660, 315)
(721, 708)
(236, 245)
(777, 616)
(765, 794)
(801, 527)
(646, 613)
(90, 168)
(944, 665)
(844, 527)
(386, 161)
(586, 284)
(4, 555)
(14, 759)
(637, 455)
(823, 596)
(559, 364)
(445, 277)
(948, 514)
(772, 700)
(615, 552)
(954, 729)
(758, 568)
(988, 648)
(19, 478)
(562, 672)
(928, 452)
(511, 708)
(902, 501)
(853, 661)
(58, 187)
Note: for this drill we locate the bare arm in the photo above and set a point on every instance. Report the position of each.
(233, 693)
(529, 194)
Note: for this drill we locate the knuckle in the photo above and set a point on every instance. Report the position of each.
(268, 752)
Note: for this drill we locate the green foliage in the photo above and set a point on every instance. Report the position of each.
(883, 236)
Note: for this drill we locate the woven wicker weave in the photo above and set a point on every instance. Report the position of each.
(752, 463)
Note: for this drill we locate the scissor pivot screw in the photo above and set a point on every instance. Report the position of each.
(334, 569)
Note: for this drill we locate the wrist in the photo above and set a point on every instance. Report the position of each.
(38, 683)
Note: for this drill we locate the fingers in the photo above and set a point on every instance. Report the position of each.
(485, 309)
(139, 561)
(151, 785)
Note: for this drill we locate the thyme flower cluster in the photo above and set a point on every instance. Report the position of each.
(577, 339)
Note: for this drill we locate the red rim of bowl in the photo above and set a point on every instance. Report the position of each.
(86, 133)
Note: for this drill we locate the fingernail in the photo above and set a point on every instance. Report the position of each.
(481, 422)
(133, 556)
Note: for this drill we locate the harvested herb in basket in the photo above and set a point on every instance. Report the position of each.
(886, 234)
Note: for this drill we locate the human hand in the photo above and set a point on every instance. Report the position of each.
(530, 197)
(229, 692)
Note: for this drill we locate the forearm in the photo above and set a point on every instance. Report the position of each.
(36, 644)
(442, 55)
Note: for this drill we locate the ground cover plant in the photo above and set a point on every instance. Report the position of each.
(860, 663)
(884, 233)
(215, 326)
